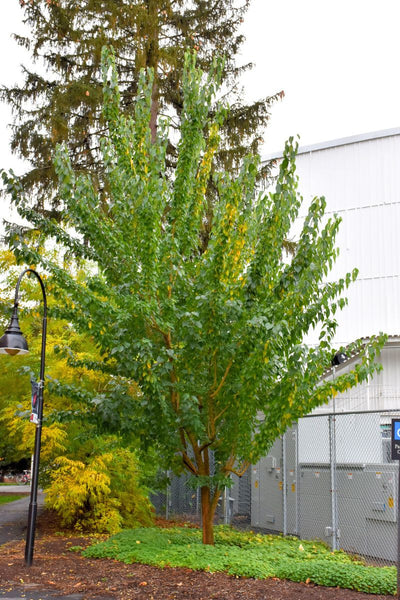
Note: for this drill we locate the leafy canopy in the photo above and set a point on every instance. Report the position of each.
(213, 338)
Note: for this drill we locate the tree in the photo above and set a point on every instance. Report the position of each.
(93, 479)
(62, 101)
(214, 338)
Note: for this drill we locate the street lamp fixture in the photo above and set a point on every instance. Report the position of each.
(12, 343)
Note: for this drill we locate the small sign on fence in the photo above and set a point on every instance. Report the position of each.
(395, 439)
(396, 456)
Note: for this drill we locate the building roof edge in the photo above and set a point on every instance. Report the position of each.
(354, 139)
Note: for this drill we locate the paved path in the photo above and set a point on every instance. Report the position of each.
(33, 592)
(14, 518)
(15, 489)
(13, 521)
(30, 594)
(27, 594)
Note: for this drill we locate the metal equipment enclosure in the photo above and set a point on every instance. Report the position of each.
(329, 478)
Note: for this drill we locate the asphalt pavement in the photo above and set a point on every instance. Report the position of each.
(14, 515)
(13, 522)
(25, 594)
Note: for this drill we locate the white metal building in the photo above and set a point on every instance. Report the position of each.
(331, 474)
(360, 179)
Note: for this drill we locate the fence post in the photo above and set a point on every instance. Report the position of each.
(197, 502)
(167, 497)
(332, 452)
(284, 484)
(297, 474)
(167, 502)
(226, 505)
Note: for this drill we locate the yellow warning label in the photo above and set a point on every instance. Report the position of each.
(293, 487)
(256, 484)
(280, 485)
(390, 502)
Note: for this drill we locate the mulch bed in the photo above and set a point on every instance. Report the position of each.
(56, 568)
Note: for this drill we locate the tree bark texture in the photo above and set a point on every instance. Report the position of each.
(207, 516)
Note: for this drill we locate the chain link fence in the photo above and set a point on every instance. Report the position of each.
(330, 477)
(181, 500)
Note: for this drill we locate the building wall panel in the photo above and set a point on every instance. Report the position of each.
(361, 183)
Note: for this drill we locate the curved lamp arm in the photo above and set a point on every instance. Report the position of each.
(16, 300)
(13, 342)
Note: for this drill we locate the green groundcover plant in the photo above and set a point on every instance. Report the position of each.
(247, 554)
(6, 499)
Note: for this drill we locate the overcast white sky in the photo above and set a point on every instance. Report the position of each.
(336, 60)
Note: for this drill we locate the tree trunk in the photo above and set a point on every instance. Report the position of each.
(152, 61)
(208, 507)
(207, 516)
(154, 109)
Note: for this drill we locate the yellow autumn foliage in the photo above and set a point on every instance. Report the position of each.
(80, 494)
(100, 495)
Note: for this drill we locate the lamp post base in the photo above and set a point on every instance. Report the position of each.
(30, 534)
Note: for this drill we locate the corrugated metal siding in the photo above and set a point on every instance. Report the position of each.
(352, 176)
(361, 183)
(373, 307)
(382, 392)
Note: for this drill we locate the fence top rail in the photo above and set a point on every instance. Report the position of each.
(352, 466)
(383, 412)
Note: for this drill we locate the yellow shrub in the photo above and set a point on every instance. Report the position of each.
(101, 496)
(80, 494)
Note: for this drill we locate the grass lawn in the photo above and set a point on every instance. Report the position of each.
(9, 498)
(246, 554)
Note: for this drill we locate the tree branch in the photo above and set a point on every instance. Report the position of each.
(189, 464)
(221, 383)
(239, 472)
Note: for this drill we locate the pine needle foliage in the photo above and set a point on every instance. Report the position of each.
(60, 99)
(213, 339)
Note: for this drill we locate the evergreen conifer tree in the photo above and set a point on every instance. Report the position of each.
(60, 99)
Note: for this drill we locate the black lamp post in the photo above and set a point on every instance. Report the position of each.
(13, 342)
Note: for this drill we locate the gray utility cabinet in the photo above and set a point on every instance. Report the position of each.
(271, 508)
(355, 510)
